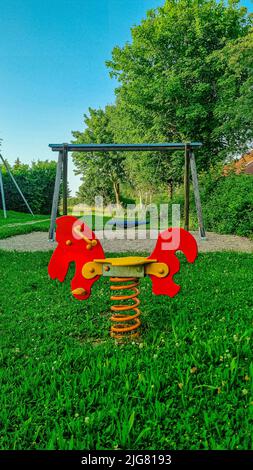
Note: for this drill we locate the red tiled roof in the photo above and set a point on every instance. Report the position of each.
(243, 165)
(249, 168)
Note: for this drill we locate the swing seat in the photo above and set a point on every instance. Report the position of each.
(127, 223)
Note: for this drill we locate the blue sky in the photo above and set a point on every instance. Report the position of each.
(52, 59)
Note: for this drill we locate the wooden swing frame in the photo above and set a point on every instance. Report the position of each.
(190, 164)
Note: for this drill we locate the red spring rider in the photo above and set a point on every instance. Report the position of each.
(77, 243)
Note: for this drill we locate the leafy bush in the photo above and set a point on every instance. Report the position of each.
(35, 181)
(228, 203)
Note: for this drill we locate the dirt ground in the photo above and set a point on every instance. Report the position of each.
(38, 241)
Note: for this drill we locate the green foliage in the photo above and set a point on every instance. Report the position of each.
(185, 76)
(234, 108)
(228, 204)
(101, 173)
(125, 200)
(185, 384)
(167, 80)
(35, 181)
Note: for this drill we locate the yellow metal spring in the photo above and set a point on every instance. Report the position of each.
(125, 323)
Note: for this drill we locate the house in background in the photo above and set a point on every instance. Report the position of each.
(243, 165)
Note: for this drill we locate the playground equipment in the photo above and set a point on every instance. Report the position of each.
(126, 223)
(16, 185)
(77, 243)
(188, 148)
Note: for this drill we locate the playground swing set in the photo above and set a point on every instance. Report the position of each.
(77, 243)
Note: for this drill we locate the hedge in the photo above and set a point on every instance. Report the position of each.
(36, 182)
(228, 205)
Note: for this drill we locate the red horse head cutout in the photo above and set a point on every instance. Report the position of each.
(170, 241)
(76, 243)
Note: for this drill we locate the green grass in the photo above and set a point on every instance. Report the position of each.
(19, 217)
(10, 226)
(6, 232)
(187, 383)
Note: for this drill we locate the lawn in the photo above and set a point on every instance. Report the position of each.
(14, 217)
(185, 384)
(19, 223)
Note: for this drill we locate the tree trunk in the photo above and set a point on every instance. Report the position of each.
(146, 199)
(170, 189)
(116, 192)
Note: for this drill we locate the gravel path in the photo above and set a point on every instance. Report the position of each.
(38, 241)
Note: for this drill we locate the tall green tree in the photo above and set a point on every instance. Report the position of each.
(185, 76)
(167, 82)
(234, 108)
(101, 173)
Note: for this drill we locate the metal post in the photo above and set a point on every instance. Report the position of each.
(2, 194)
(197, 196)
(56, 196)
(16, 184)
(65, 180)
(186, 188)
